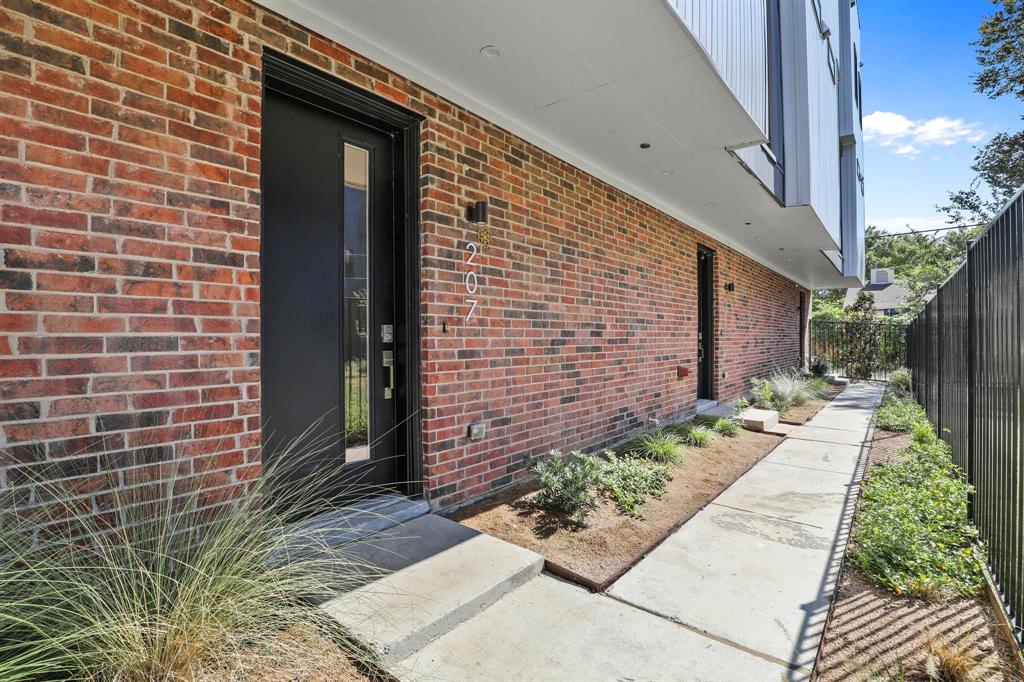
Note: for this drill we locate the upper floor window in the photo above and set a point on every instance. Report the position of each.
(856, 86)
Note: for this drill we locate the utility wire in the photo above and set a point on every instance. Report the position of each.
(937, 229)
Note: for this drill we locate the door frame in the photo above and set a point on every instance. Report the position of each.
(706, 290)
(291, 77)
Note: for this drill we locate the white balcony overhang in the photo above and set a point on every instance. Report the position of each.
(589, 82)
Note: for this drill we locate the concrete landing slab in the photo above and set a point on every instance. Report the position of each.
(363, 518)
(828, 435)
(810, 496)
(703, 405)
(552, 630)
(759, 420)
(719, 410)
(814, 455)
(438, 574)
(761, 582)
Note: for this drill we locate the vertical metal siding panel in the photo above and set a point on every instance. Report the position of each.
(734, 37)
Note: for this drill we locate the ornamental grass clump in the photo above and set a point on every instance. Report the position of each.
(694, 434)
(660, 446)
(725, 426)
(912, 533)
(173, 578)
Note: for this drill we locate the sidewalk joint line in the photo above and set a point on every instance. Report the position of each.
(716, 638)
(767, 516)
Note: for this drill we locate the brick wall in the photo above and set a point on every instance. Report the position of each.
(129, 221)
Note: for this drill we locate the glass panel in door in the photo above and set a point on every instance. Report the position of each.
(356, 301)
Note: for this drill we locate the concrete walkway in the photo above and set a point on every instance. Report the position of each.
(740, 592)
(757, 567)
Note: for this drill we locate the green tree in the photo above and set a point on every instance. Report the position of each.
(863, 337)
(999, 165)
(921, 262)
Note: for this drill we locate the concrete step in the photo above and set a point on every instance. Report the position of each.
(363, 518)
(704, 405)
(759, 420)
(436, 574)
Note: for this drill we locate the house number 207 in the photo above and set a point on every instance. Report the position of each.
(470, 279)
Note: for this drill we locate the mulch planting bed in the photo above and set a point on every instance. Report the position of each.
(612, 542)
(802, 413)
(875, 634)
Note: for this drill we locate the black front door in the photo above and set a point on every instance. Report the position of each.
(328, 351)
(705, 324)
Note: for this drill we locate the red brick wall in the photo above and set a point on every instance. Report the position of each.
(129, 220)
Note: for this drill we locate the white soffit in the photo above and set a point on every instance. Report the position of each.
(588, 81)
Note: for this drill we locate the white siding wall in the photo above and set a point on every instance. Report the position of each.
(852, 162)
(732, 34)
(812, 110)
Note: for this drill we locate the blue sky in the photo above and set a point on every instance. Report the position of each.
(922, 118)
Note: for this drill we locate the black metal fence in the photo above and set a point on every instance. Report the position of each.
(966, 356)
(862, 350)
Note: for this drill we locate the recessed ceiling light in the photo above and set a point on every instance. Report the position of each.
(747, 223)
(490, 51)
(668, 172)
(645, 145)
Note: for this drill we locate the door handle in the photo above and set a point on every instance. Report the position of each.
(388, 362)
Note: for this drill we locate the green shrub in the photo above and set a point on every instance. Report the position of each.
(164, 585)
(661, 446)
(912, 534)
(923, 433)
(819, 366)
(900, 381)
(567, 484)
(762, 395)
(629, 481)
(899, 413)
(725, 426)
(817, 386)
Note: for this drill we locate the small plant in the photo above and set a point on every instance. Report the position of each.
(763, 396)
(629, 481)
(899, 413)
(923, 433)
(740, 406)
(661, 446)
(567, 484)
(724, 426)
(901, 382)
(954, 662)
(817, 386)
(697, 435)
(819, 366)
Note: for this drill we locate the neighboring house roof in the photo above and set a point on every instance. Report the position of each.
(886, 296)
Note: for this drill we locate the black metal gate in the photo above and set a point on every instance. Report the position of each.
(966, 356)
(860, 350)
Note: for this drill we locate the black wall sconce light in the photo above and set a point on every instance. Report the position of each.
(477, 212)
(730, 286)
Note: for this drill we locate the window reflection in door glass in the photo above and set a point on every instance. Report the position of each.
(355, 323)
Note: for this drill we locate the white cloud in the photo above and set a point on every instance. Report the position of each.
(910, 137)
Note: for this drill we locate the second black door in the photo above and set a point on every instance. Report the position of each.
(705, 324)
(328, 292)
